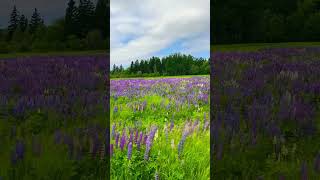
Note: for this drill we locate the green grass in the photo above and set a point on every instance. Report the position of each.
(259, 46)
(53, 53)
(193, 162)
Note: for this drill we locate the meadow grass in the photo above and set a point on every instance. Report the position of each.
(156, 105)
(53, 54)
(260, 46)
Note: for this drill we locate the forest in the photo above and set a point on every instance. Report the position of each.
(171, 65)
(84, 27)
(272, 21)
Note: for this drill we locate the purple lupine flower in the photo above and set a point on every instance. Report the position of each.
(138, 145)
(156, 176)
(111, 150)
(18, 153)
(96, 145)
(182, 141)
(145, 139)
(317, 163)
(113, 130)
(57, 137)
(129, 150)
(115, 110)
(171, 125)
(123, 141)
(219, 151)
(148, 147)
(282, 177)
(131, 136)
(136, 136)
(67, 140)
(166, 133)
(141, 136)
(304, 171)
(20, 150)
(117, 139)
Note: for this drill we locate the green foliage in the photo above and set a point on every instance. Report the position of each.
(4, 49)
(172, 65)
(84, 27)
(253, 21)
(75, 43)
(94, 40)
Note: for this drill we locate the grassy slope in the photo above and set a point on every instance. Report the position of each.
(62, 53)
(258, 46)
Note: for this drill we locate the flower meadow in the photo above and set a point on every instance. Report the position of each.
(53, 117)
(160, 128)
(266, 114)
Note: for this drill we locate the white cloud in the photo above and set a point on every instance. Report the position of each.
(141, 28)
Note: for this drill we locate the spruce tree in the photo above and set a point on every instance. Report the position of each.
(23, 23)
(85, 17)
(13, 23)
(102, 17)
(70, 18)
(35, 22)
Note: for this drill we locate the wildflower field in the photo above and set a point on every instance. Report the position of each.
(53, 118)
(160, 128)
(266, 114)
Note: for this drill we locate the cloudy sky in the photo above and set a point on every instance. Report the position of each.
(145, 28)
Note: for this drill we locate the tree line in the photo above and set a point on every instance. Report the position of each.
(253, 21)
(171, 65)
(84, 27)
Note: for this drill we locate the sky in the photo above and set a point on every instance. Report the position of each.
(50, 10)
(145, 28)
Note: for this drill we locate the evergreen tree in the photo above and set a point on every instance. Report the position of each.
(70, 18)
(85, 17)
(13, 23)
(101, 17)
(131, 69)
(23, 23)
(35, 22)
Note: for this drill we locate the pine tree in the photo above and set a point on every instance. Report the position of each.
(85, 17)
(70, 18)
(23, 23)
(35, 22)
(14, 22)
(101, 17)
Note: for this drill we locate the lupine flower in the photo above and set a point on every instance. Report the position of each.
(136, 136)
(145, 139)
(141, 136)
(148, 147)
(171, 125)
(317, 163)
(117, 139)
(57, 137)
(131, 136)
(111, 150)
(115, 110)
(129, 150)
(123, 141)
(20, 150)
(18, 153)
(181, 143)
(304, 171)
(156, 176)
(113, 130)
